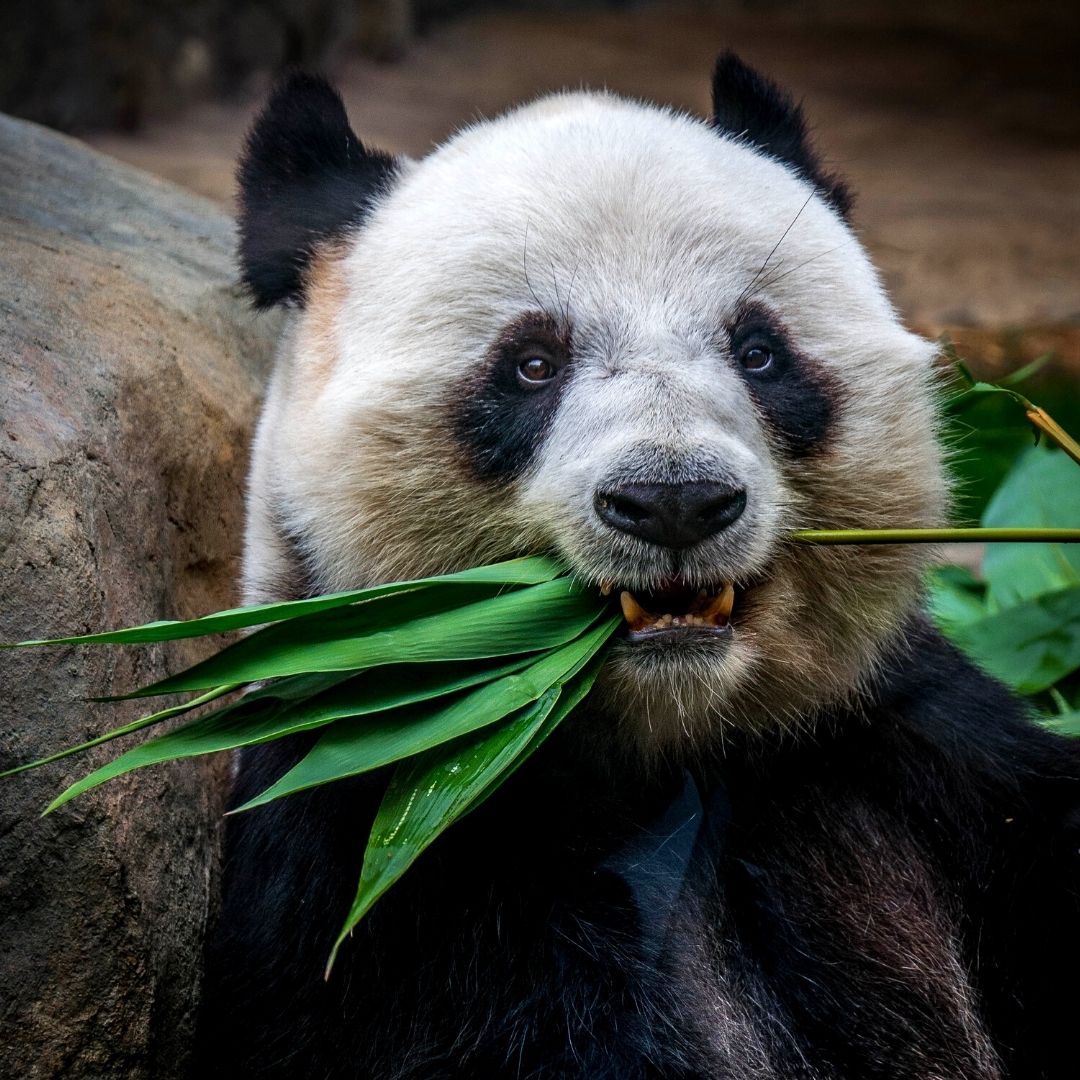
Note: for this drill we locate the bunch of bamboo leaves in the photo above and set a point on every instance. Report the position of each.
(455, 680)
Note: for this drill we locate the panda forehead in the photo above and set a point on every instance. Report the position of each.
(610, 214)
(626, 192)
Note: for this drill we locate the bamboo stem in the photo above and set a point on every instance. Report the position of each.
(1045, 422)
(936, 536)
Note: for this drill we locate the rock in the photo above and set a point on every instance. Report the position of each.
(130, 369)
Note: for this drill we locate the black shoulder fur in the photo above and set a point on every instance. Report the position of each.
(894, 898)
(748, 105)
(305, 178)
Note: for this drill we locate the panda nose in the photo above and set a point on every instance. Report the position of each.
(671, 515)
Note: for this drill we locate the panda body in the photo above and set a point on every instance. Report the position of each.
(805, 839)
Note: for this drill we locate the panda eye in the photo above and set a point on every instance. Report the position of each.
(535, 369)
(532, 354)
(756, 358)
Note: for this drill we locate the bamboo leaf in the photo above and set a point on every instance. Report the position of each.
(1041, 489)
(431, 791)
(292, 688)
(526, 620)
(323, 626)
(1063, 724)
(976, 392)
(127, 729)
(356, 746)
(517, 572)
(266, 715)
(956, 597)
(1031, 645)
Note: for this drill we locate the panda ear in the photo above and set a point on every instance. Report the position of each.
(305, 179)
(749, 106)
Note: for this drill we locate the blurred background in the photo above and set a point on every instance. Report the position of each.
(958, 122)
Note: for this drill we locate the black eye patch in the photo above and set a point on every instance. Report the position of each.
(506, 408)
(797, 398)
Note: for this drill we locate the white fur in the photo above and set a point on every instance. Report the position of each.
(644, 229)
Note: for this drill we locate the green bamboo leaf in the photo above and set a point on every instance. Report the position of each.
(977, 392)
(528, 571)
(1042, 489)
(270, 714)
(293, 688)
(309, 630)
(956, 597)
(1063, 724)
(526, 620)
(1031, 645)
(356, 746)
(1025, 371)
(986, 429)
(431, 791)
(126, 729)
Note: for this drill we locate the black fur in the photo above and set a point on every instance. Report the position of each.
(500, 422)
(748, 105)
(305, 179)
(797, 398)
(895, 898)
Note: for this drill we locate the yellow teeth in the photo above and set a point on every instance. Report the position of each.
(720, 609)
(705, 612)
(606, 587)
(634, 613)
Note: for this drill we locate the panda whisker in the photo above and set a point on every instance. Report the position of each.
(570, 291)
(768, 258)
(555, 284)
(525, 267)
(771, 281)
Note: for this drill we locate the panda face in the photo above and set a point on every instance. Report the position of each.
(604, 330)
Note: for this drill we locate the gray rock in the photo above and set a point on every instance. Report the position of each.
(129, 375)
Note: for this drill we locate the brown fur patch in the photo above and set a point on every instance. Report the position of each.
(327, 289)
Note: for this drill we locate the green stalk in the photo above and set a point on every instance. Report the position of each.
(936, 536)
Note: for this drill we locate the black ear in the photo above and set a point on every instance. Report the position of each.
(747, 104)
(305, 178)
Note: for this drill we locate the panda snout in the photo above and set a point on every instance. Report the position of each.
(673, 516)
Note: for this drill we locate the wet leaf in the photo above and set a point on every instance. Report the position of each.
(355, 746)
(431, 791)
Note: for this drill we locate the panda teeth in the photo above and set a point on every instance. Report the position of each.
(720, 609)
(634, 613)
(706, 612)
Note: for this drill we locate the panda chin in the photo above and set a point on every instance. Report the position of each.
(680, 664)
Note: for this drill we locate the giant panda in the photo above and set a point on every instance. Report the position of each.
(792, 833)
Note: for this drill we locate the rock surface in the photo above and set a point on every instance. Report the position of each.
(129, 375)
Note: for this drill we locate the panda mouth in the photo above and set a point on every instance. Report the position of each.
(677, 610)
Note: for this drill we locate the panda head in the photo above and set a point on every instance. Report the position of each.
(647, 343)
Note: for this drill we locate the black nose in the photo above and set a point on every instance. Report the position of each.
(672, 515)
